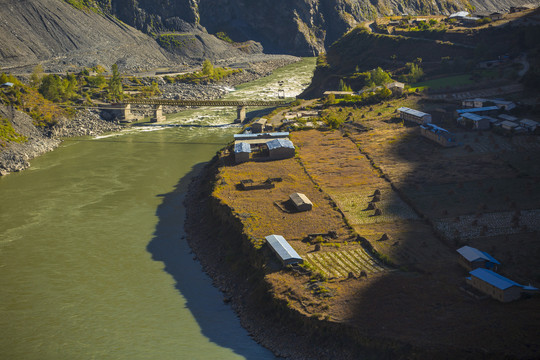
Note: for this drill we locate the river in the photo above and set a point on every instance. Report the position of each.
(93, 258)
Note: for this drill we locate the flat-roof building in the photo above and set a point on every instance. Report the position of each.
(473, 121)
(497, 286)
(416, 116)
(472, 258)
(301, 202)
(528, 124)
(283, 250)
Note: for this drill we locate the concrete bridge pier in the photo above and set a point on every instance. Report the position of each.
(121, 111)
(241, 114)
(158, 114)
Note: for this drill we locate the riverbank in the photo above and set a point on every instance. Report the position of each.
(91, 122)
(380, 283)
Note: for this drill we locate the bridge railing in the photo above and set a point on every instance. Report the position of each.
(204, 102)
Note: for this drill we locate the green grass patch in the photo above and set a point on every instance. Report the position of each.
(450, 81)
(8, 133)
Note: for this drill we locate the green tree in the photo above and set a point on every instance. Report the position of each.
(52, 87)
(116, 93)
(207, 68)
(379, 76)
(343, 86)
(37, 74)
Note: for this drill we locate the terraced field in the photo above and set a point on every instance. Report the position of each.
(355, 206)
(338, 264)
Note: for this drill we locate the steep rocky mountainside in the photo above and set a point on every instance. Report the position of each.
(37, 30)
(66, 36)
(299, 27)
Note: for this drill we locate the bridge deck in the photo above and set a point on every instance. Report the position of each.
(204, 102)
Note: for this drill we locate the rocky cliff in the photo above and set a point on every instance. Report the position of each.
(299, 27)
(38, 30)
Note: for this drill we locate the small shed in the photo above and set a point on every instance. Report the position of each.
(241, 152)
(509, 125)
(473, 121)
(507, 117)
(416, 116)
(472, 258)
(497, 286)
(496, 16)
(396, 87)
(259, 125)
(301, 202)
(283, 250)
(280, 149)
(438, 134)
(338, 94)
(528, 124)
(7, 84)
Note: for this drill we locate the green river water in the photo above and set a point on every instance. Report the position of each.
(93, 259)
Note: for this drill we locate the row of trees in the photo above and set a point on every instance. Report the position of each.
(58, 88)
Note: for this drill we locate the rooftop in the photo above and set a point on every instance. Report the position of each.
(279, 143)
(473, 254)
(282, 248)
(480, 109)
(497, 280)
(412, 111)
(242, 147)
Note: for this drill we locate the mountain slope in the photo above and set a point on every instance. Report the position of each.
(34, 30)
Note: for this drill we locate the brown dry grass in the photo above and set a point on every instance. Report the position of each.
(423, 304)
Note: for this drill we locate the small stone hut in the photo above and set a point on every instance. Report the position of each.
(301, 202)
(258, 126)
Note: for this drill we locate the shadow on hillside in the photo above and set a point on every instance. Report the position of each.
(217, 320)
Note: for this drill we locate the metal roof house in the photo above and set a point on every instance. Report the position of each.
(528, 124)
(438, 134)
(242, 151)
(8, 84)
(283, 250)
(473, 121)
(487, 110)
(280, 149)
(472, 258)
(301, 202)
(416, 116)
(272, 135)
(497, 286)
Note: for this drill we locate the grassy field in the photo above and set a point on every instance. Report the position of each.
(440, 83)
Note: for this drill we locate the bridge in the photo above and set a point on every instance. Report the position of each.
(124, 108)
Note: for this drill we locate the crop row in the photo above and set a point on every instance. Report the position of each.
(341, 263)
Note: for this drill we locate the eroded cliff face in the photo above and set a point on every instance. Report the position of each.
(299, 27)
(35, 31)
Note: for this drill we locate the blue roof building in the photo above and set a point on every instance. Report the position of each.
(472, 258)
(485, 109)
(283, 250)
(497, 286)
(438, 134)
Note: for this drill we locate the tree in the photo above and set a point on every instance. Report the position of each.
(52, 87)
(37, 74)
(343, 86)
(116, 92)
(207, 68)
